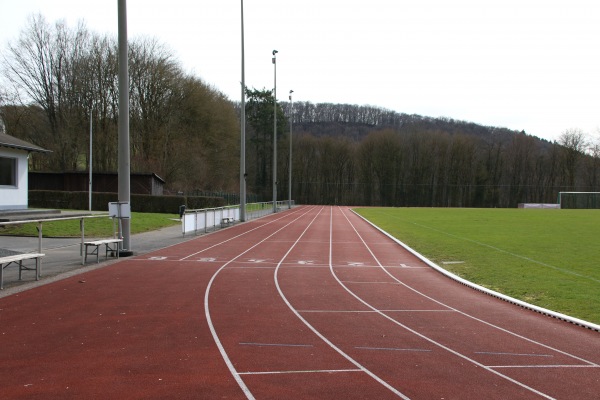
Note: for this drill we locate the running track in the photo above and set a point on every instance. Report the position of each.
(311, 303)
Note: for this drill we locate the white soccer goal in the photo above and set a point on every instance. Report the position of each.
(579, 199)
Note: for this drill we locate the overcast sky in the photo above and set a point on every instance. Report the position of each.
(530, 65)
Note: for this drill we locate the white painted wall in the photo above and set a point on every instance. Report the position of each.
(15, 197)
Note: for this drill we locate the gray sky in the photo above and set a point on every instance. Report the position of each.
(530, 65)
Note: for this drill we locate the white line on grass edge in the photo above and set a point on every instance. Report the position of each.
(520, 303)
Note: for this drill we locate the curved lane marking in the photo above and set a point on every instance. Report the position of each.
(489, 369)
(315, 331)
(591, 363)
(211, 326)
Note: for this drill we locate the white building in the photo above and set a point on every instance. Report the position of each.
(14, 154)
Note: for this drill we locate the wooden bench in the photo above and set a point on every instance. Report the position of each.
(18, 259)
(111, 245)
(226, 221)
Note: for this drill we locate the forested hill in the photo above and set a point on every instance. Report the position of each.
(363, 155)
(356, 122)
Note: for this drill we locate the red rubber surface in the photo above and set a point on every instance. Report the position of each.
(306, 304)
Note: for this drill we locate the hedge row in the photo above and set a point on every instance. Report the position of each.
(139, 202)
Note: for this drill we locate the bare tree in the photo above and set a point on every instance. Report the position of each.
(43, 65)
(153, 85)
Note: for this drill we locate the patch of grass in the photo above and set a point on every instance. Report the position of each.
(94, 227)
(549, 258)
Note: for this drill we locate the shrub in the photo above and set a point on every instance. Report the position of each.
(139, 202)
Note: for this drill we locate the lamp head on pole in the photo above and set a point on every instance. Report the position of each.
(274, 52)
(291, 91)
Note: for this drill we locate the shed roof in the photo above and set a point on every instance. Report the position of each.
(15, 143)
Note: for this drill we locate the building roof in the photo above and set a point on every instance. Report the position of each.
(14, 143)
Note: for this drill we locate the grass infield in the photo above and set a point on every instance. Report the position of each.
(94, 227)
(546, 257)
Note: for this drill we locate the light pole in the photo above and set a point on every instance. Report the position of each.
(275, 131)
(290, 166)
(243, 134)
(124, 160)
(90, 180)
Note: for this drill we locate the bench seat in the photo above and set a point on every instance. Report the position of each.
(18, 259)
(111, 245)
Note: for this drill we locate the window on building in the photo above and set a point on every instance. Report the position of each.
(8, 171)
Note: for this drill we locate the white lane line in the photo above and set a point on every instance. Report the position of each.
(390, 349)
(512, 354)
(409, 266)
(478, 319)
(422, 335)
(308, 371)
(369, 311)
(295, 265)
(315, 331)
(211, 326)
(378, 267)
(544, 366)
(274, 344)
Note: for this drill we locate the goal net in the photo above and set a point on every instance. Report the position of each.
(579, 199)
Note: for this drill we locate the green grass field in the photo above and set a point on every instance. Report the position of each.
(94, 227)
(550, 258)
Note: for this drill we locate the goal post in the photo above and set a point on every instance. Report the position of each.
(579, 200)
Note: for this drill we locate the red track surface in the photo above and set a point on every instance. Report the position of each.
(310, 303)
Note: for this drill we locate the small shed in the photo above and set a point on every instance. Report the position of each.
(14, 167)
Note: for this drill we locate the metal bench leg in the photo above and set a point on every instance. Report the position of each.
(112, 250)
(94, 252)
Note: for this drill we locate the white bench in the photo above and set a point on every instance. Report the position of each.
(111, 245)
(18, 259)
(226, 221)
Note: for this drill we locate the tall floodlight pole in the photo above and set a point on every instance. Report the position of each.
(275, 131)
(243, 132)
(290, 166)
(90, 180)
(123, 142)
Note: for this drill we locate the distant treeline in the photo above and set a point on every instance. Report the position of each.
(360, 155)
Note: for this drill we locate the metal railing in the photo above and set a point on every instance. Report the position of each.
(40, 228)
(207, 219)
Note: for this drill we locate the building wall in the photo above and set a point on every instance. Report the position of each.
(15, 197)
